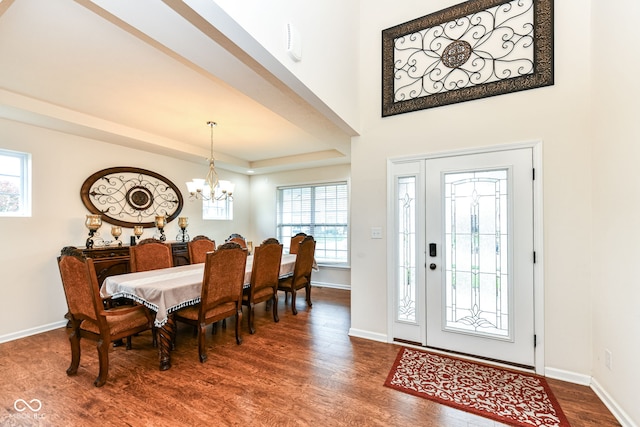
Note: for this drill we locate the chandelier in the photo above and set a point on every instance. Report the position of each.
(210, 188)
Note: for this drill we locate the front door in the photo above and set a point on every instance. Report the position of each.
(479, 255)
(462, 254)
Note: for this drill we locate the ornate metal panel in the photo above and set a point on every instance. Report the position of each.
(473, 50)
(129, 196)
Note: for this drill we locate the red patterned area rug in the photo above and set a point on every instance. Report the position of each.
(504, 395)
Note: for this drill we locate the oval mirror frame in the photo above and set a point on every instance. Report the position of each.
(129, 196)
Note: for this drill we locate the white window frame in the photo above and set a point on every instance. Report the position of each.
(24, 177)
(310, 227)
(217, 209)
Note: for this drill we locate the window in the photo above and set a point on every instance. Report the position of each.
(321, 211)
(15, 183)
(217, 209)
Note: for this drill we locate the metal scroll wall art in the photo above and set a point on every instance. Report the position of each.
(129, 197)
(476, 49)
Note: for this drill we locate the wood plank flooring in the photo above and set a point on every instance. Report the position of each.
(303, 371)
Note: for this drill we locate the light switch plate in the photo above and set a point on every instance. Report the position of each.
(376, 232)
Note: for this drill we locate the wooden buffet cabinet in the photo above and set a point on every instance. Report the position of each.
(113, 260)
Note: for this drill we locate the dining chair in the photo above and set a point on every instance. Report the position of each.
(221, 294)
(198, 248)
(237, 238)
(295, 242)
(264, 279)
(150, 254)
(301, 277)
(87, 316)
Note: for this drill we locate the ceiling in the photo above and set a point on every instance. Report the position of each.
(105, 70)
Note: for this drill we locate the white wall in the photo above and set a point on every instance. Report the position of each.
(557, 115)
(616, 202)
(263, 211)
(328, 31)
(30, 289)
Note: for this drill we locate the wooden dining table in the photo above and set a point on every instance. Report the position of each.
(167, 290)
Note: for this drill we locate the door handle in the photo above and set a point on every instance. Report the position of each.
(432, 266)
(432, 250)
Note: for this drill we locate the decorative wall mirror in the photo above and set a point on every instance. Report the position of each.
(128, 196)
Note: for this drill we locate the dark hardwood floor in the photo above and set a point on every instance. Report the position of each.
(303, 371)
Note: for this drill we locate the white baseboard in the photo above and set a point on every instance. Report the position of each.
(611, 404)
(32, 331)
(330, 285)
(602, 394)
(570, 377)
(359, 333)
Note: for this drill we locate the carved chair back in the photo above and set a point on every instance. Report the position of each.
(295, 242)
(150, 254)
(198, 248)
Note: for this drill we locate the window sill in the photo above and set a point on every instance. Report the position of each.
(335, 266)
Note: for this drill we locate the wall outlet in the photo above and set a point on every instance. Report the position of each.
(607, 359)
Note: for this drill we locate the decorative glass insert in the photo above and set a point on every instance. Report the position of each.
(406, 267)
(15, 187)
(320, 210)
(476, 253)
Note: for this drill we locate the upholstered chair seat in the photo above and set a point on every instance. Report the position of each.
(117, 322)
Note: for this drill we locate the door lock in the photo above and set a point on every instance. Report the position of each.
(432, 250)
(432, 266)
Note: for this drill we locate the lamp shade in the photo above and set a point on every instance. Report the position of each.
(183, 221)
(226, 186)
(160, 221)
(93, 222)
(191, 187)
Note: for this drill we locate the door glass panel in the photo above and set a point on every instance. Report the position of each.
(476, 274)
(406, 267)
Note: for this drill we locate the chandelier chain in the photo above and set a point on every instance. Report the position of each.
(212, 177)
